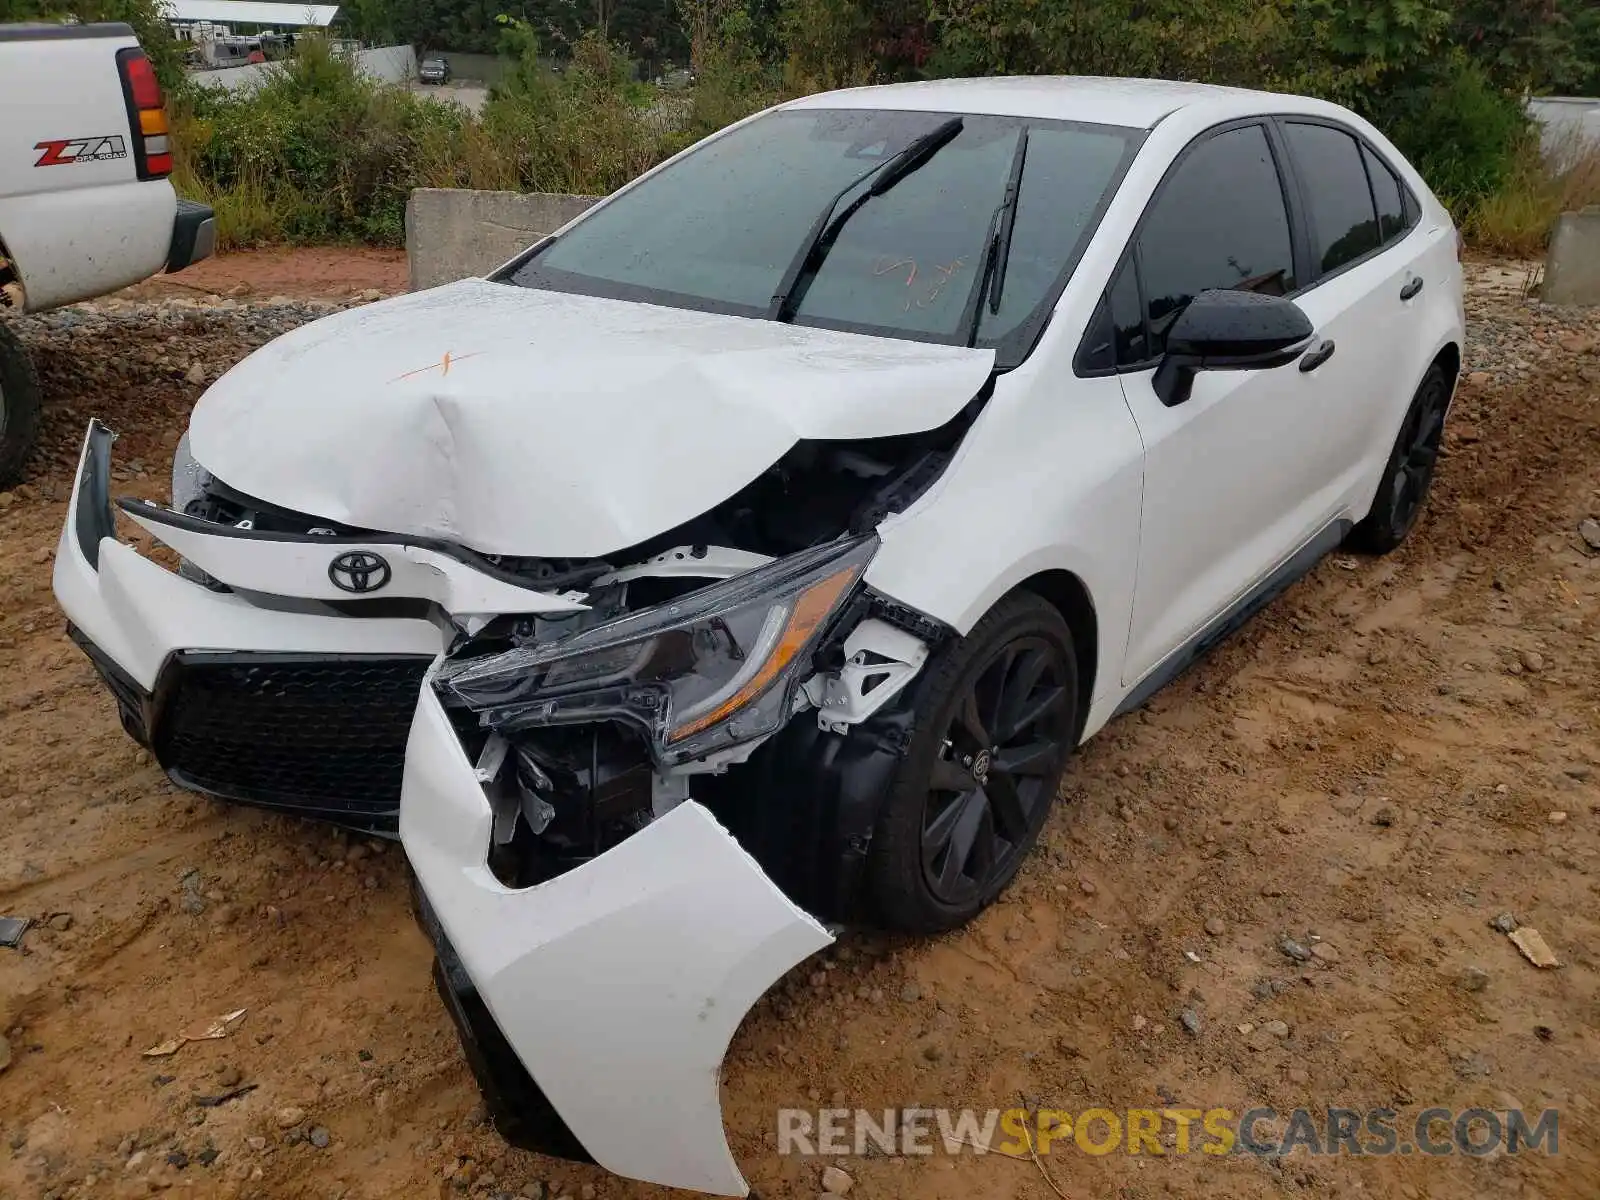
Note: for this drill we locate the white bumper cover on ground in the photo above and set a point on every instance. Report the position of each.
(620, 983)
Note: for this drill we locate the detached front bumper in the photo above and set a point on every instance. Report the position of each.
(596, 1008)
(297, 711)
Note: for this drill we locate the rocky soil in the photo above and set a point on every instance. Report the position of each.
(1282, 883)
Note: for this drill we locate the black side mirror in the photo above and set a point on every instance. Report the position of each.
(1230, 331)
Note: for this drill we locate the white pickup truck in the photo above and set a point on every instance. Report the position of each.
(85, 203)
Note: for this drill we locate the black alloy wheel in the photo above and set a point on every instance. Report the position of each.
(1000, 759)
(1409, 472)
(996, 718)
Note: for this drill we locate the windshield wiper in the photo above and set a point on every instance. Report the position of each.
(997, 251)
(820, 237)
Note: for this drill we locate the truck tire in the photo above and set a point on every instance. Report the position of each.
(19, 407)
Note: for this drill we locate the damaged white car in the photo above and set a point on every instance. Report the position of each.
(747, 558)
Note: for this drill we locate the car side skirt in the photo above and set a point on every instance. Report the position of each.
(1295, 567)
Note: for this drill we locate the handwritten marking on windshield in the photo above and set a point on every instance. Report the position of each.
(884, 265)
(442, 366)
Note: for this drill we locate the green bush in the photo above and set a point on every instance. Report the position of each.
(583, 131)
(1462, 133)
(315, 153)
(321, 154)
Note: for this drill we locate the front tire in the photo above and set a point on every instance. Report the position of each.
(19, 407)
(996, 714)
(1408, 474)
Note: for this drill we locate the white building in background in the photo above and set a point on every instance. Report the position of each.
(1568, 125)
(236, 33)
(247, 35)
(254, 13)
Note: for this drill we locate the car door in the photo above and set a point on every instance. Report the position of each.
(1363, 295)
(1231, 487)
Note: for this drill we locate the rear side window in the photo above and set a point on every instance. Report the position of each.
(1219, 221)
(1343, 220)
(1386, 193)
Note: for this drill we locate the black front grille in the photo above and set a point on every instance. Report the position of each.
(318, 734)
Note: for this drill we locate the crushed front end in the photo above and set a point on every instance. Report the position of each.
(634, 792)
(628, 823)
(768, 695)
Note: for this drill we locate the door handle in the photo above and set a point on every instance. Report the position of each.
(1315, 358)
(1412, 287)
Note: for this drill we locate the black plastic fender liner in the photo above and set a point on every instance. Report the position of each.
(92, 519)
(521, 1112)
(134, 704)
(806, 803)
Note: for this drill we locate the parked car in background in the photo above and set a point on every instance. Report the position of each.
(434, 70)
(85, 203)
(748, 557)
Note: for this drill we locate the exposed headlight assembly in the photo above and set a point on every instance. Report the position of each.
(712, 669)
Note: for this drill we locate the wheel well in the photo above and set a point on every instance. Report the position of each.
(1066, 591)
(10, 297)
(1450, 359)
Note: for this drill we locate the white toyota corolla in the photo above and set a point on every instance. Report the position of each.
(746, 558)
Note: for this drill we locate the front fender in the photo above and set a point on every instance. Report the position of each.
(1049, 479)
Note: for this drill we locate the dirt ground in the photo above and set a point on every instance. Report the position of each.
(1395, 753)
(262, 274)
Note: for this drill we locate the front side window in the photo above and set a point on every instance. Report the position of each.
(1219, 221)
(719, 229)
(1339, 199)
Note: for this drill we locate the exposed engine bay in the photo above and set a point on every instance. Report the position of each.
(570, 771)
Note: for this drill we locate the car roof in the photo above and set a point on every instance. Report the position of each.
(1133, 103)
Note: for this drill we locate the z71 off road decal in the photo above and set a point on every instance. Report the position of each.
(86, 149)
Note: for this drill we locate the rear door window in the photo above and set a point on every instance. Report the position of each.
(1344, 223)
(1388, 196)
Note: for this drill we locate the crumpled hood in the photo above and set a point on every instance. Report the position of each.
(526, 422)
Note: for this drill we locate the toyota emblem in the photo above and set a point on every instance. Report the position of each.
(359, 571)
(980, 767)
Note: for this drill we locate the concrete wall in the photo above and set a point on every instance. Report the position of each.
(1572, 266)
(1567, 124)
(457, 234)
(392, 64)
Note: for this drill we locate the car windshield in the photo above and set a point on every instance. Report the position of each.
(718, 229)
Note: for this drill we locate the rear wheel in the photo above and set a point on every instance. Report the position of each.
(19, 407)
(1409, 471)
(995, 718)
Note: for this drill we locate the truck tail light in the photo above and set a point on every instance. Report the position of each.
(147, 116)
